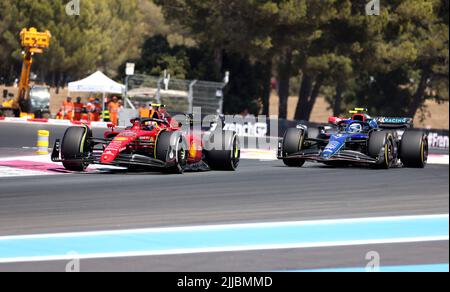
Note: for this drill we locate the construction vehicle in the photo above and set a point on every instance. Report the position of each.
(31, 101)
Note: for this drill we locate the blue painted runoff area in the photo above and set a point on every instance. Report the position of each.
(223, 237)
(438, 268)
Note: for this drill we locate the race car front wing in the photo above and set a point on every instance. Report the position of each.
(343, 155)
(95, 158)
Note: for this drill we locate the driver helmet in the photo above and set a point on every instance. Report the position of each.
(355, 128)
(149, 125)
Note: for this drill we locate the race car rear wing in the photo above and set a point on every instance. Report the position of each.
(394, 123)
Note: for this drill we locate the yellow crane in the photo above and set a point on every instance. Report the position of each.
(31, 100)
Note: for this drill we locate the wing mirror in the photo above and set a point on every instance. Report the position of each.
(111, 126)
(334, 120)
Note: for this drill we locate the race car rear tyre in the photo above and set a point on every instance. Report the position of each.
(292, 143)
(74, 145)
(228, 155)
(381, 147)
(414, 149)
(172, 148)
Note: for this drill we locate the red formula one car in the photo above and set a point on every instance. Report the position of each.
(151, 143)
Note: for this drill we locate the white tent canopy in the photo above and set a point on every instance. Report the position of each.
(97, 82)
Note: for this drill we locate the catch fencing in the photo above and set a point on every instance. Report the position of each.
(179, 96)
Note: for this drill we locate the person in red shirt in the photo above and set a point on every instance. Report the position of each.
(68, 109)
(78, 109)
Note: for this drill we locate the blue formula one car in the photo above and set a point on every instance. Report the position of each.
(379, 142)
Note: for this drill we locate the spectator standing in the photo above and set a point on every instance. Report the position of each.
(78, 109)
(68, 109)
(144, 112)
(90, 108)
(113, 108)
(98, 109)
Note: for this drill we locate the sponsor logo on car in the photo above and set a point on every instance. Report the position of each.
(147, 138)
(128, 134)
(384, 120)
(332, 147)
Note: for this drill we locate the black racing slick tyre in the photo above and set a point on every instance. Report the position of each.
(414, 149)
(292, 143)
(74, 146)
(381, 146)
(226, 153)
(171, 148)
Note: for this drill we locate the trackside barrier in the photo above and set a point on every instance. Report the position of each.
(43, 142)
(54, 122)
(59, 122)
(15, 120)
(246, 129)
(37, 120)
(438, 139)
(99, 124)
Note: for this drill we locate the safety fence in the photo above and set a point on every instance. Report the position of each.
(179, 96)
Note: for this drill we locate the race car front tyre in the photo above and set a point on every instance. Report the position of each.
(381, 147)
(414, 149)
(74, 146)
(225, 153)
(172, 148)
(292, 143)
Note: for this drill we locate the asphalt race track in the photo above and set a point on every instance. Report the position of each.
(259, 192)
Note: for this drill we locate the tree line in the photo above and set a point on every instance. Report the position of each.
(103, 36)
(391, 63)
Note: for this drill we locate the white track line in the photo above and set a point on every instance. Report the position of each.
(226, 226)
(224, 249)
